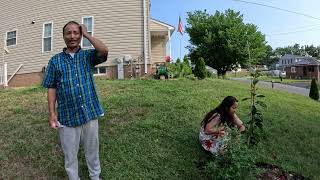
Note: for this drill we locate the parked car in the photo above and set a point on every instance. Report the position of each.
(208, 68)
(283, 74)
(277, 73)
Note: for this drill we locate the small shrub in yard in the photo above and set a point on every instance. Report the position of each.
(200, 69)
(186, 69)
(179, 69)
(314, 91)
(255, 124)
(237, 162)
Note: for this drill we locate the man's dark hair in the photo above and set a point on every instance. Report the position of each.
(71, 22)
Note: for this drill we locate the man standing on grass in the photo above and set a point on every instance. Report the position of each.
(69, 79)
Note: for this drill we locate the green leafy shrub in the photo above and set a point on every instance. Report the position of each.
(186, 68)
(237, 162)
(200, 69)
(314, 92)
(178, 69)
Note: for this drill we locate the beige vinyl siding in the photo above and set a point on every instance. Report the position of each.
(157, 27)
(119, 24)
(158, 49)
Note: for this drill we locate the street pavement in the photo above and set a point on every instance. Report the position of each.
(283, 87)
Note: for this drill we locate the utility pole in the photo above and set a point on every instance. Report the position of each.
(249, 52)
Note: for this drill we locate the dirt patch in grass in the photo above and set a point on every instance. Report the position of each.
(275, 172)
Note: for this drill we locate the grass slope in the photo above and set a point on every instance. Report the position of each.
(150, 130)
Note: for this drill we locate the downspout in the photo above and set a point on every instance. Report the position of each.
(5, 74)
(5, 65)
(169, 35)
(145, 37)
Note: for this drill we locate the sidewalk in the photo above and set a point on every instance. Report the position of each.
(283, 87)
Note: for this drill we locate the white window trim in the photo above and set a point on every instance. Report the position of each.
(92, 33)
(293, 69)
(51, 22)
(16, 30)
(98, 71)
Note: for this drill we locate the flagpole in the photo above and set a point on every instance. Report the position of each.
(180, 48)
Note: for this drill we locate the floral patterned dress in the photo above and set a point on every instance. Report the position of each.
(210, 142)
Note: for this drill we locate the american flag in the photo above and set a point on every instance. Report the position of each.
(180, 28)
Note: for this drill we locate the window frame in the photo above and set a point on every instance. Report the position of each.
(43, 30)
(92, 31)
(98, 71)
(311, 69)
(293, 69)
(16, 30)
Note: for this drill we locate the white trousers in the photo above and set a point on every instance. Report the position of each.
(70, 138)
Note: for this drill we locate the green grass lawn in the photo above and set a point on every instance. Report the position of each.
(150, 130)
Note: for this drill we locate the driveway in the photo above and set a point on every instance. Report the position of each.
(283, 87)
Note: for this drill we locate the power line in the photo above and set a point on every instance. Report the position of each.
(292, 32)
(281, 9)
(297, 30)
(286, 10)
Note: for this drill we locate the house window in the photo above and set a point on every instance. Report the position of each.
(100, 70)
(293, 69)
(11, 38)
(47, 37)
(311, 69)
(88, 22)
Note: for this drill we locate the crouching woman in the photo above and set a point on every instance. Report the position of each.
(212, 130)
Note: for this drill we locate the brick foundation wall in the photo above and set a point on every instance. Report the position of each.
(29, 79)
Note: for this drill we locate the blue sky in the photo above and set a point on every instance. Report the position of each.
(281, 28)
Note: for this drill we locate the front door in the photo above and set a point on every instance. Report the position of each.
(304, 71)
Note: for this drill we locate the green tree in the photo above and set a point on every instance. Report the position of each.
(223, 40)
(186, 68)
(314, 92)
(296, 49)
(200, 69)
(312, 50)
(178, 61)
(270, 57)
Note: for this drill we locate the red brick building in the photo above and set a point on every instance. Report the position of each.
(304, 68)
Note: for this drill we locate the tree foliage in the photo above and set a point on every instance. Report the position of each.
(179, 69)
(200, 69)
(223, 40)
(186, 68)
(296, 49)
(270, 57)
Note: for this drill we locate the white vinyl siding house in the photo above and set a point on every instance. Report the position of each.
(124, 26)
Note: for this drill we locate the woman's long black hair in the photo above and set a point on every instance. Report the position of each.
(223, 110)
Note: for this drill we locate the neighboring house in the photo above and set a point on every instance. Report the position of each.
(288, 60)
(32, 32)
(300, 67)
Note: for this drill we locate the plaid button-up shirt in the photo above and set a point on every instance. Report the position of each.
(75, 89)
